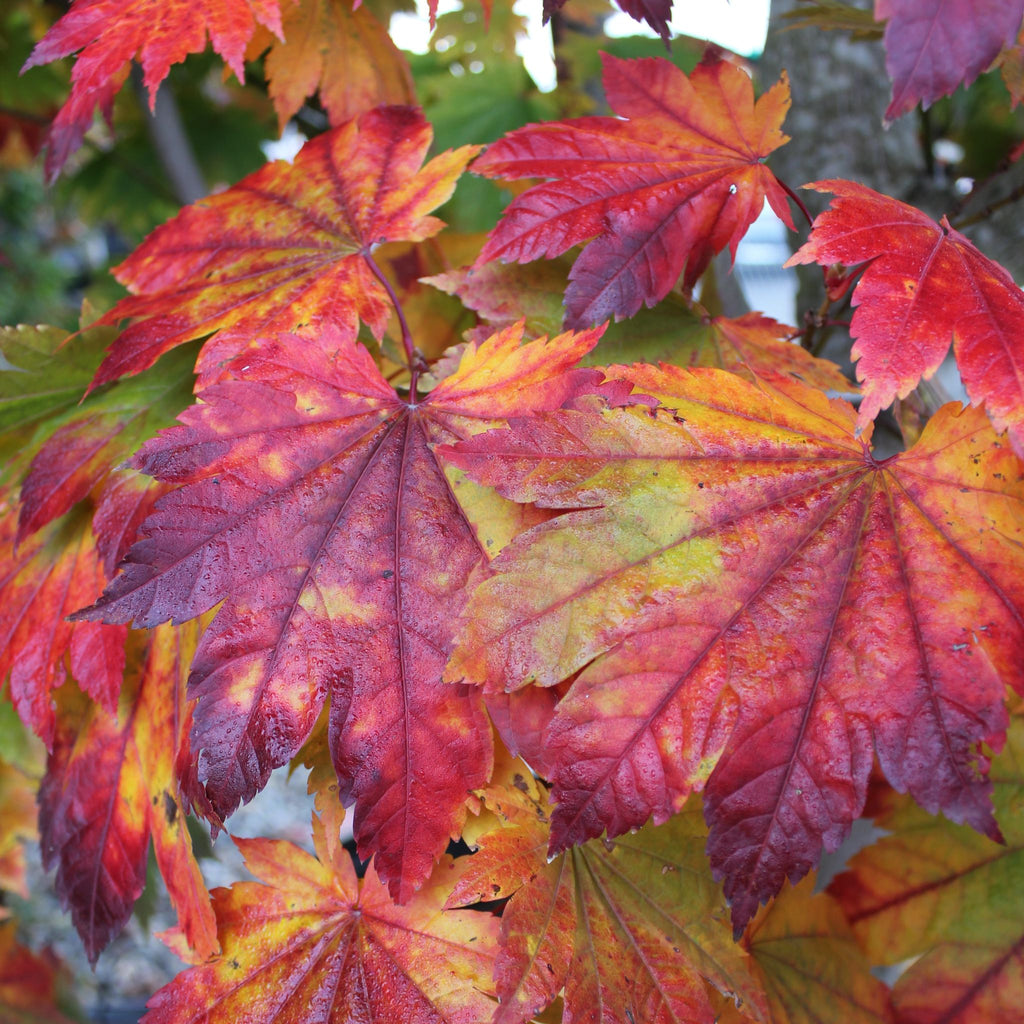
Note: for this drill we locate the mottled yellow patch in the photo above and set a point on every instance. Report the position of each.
(338, 604)
(243, 685)
(275, 466)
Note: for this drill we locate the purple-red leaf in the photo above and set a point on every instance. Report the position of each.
(675, 178)
(109, 785)
(309, 501)
(932, 46)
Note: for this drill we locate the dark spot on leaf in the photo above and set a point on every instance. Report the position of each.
(170, 808)
(700, 485)
(387, 574)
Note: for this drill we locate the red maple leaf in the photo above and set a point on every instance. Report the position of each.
(309, 501)
(285, 246)
(157, 33)
(932, 46)
(746, 600)
(42, 580)
(924, 284)
(666, 189)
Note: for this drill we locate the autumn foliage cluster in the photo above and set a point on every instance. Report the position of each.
(592, 607)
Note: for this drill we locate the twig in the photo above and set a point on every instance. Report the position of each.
(997, 204)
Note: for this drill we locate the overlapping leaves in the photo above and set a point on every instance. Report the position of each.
(58, 452)
(715, 585)
(749, 603)
(632, 929)
(950, 899)
(675, 332)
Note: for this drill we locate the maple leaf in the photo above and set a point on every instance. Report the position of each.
(310, 502)
(631, 929)
(157, 33)
(109, 786)
(950, 899)
(339, 48)
(812, 969)
(747, 594)
(667, 188)
(313, 936)
(923, 283)
(285, 246)
(932, 46)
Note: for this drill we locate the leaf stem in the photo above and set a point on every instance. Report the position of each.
(799, 202)
(412, 357)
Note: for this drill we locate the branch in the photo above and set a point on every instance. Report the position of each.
(172, 145)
